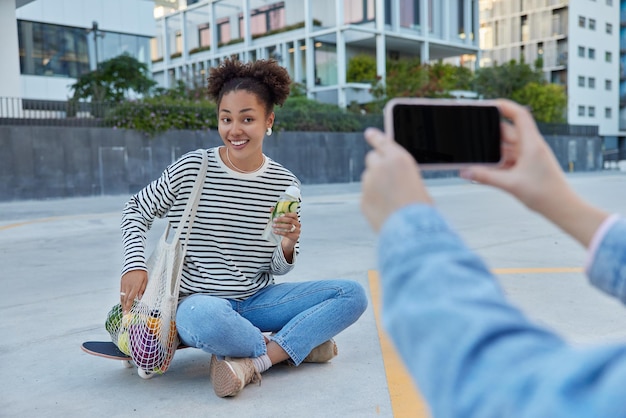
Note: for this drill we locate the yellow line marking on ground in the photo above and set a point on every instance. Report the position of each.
(58, 218)
(538, 270)
(18, 224)
(405, 398)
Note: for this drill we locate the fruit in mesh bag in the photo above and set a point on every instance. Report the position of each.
(145, 348)
(114, 320)
(154, 322)
(171, 340)
(123, 342)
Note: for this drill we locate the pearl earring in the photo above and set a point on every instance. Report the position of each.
(269, 131)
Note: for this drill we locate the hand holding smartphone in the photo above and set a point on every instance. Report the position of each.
(445, 134)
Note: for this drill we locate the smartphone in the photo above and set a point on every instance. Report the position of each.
(445, 134)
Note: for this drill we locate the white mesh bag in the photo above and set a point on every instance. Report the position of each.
(148, 331)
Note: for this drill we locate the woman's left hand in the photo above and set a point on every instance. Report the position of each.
(288, 226)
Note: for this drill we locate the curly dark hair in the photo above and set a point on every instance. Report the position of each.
(264, 78)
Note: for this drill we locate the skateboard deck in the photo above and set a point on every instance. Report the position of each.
(109, 350)
(104, 349)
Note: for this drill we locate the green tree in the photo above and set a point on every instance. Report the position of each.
(444, 78)
(113, 80)
(547, 102)
(361, 69)
(404, 78)
(410, 78)
(503, 80)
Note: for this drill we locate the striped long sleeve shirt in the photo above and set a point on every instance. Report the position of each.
(226, 254)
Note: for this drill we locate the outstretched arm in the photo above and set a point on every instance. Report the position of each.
(471, 353)
(532, 174)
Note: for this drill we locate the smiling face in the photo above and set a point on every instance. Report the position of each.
(242, 124)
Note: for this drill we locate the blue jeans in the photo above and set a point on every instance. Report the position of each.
(302, 316)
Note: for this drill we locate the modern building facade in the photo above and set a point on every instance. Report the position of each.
(47, 44)
(622, 65)
(579, 43)
(313, 39)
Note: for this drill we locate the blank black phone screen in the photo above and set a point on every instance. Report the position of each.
(453, 134)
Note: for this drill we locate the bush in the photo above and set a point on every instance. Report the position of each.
(160, 114)
(303, 114)
(184, 108)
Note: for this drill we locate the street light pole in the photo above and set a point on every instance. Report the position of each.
(96, 34)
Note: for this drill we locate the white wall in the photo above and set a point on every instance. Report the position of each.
(9, 51)
(597, 68)
(125, 16)
(46, 88)
(133, 17)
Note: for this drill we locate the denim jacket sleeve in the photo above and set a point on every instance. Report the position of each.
(607, 268)
(471, 353)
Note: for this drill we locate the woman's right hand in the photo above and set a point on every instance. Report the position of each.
(132, 287)
(532, 174)
(529, 170)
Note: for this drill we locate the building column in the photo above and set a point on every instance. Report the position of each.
(309, 52)
(9, 51)
(446, 24)
(467, 24)
(395, 16)
(213, 29)
(425, 47)
(381, 43)
(247, 35)
(183, 36)
(297, 64)
(341, 58)
(166, 53)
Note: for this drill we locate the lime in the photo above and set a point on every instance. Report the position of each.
(123, 343)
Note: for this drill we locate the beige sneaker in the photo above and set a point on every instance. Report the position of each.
(230, 375)
(322, 353)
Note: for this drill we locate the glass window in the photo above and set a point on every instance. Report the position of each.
(435, 17)
(223, 30)
(592, 24)
(461, 19)
(581, 51)
(581, 21)
(592, 54)
(609, 28)
(112, 44)
(265, 19)
(581, 110)
(591, 82)
(109, 46)
(155, 49)
(388, 12)
(204, 35)
(359, 11)
(325, 64)
(410, 14)
(608, 112)
(608, 56)
(581, 81)
(591, 110)
(608, 84)
(178, 37)
(52, 50)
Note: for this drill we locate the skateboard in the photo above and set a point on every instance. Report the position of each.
(107, 349)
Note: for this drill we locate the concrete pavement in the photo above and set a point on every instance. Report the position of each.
(60, 262)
